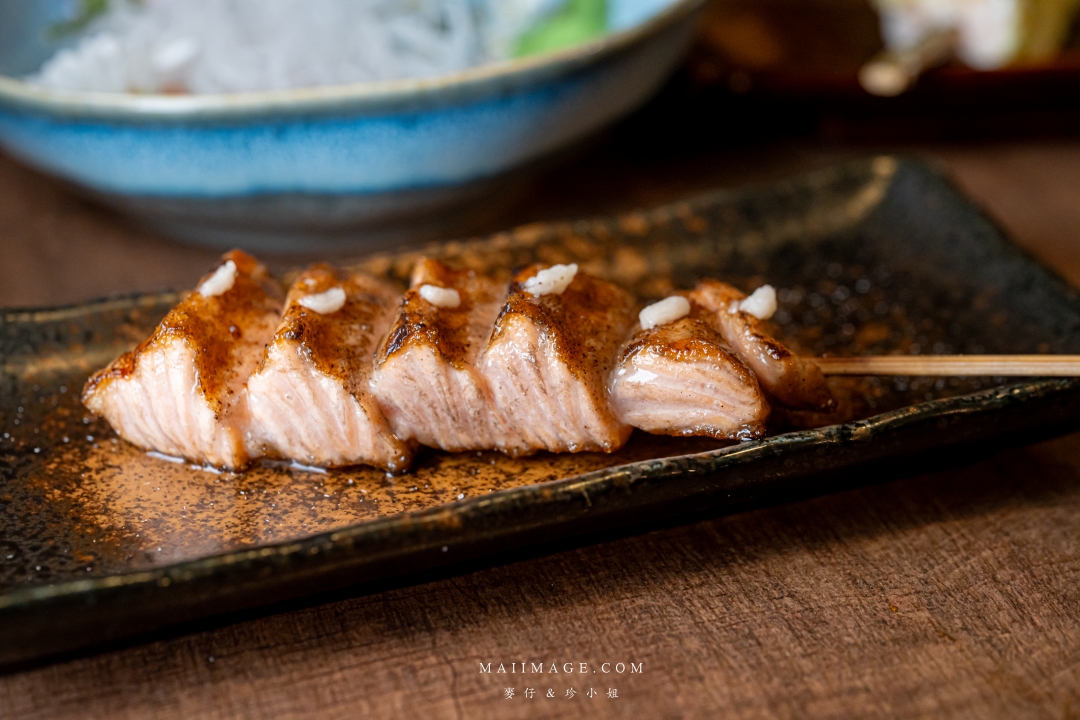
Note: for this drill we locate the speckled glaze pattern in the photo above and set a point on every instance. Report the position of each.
(99, 541)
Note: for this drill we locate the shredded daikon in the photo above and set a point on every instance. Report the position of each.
(216, 46)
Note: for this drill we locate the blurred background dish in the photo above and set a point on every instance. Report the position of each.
(366, 164)
(987, 34)
(781, 64)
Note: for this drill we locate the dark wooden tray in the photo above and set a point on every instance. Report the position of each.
(99, 541)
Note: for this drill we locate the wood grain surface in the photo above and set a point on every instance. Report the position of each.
(951, 594)
(955, 594)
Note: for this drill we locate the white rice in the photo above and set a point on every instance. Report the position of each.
(220, 282)
(552, 281)
(217, 46)
(325, 303)
(440, 297)
(666, 311)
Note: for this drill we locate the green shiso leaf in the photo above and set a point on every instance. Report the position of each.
(576, 22)
(88, 10)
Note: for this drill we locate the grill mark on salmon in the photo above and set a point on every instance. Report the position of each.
(787, 379)
(549, 360)
(182, 391)
(310, 398)
(426, 376)
(683, 379)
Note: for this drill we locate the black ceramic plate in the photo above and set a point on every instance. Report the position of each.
(99, 541)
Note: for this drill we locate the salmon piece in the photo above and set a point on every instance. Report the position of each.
(426, 378)
(181, 392)
(788, 380)
(310, 398)
(682, 378)
(550, 357)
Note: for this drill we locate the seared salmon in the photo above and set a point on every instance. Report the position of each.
(426, 378)
(681, 378)
(310, 398)
(787, 379)
(182, 392)
(550, 356)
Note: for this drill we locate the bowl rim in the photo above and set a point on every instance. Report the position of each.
(367, 97)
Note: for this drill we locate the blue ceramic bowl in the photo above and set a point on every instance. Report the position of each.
(305, 169)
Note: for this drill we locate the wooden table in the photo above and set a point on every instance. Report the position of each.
(955, 594)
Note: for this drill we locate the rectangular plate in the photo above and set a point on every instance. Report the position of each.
(99, 541)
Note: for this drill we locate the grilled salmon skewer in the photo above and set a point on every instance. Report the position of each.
(310, 400)
(349, 375)
(787, 379)
(182, 392)
(426, 375)
(678, 376)
(550, 356)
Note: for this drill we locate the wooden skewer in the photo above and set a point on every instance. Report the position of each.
(954, 365)
(892, 72)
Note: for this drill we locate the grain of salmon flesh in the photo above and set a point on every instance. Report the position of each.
(682, 378)
(182, 392)
(788, 380)
(549, 360)
(426, 376)
(310, 399)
